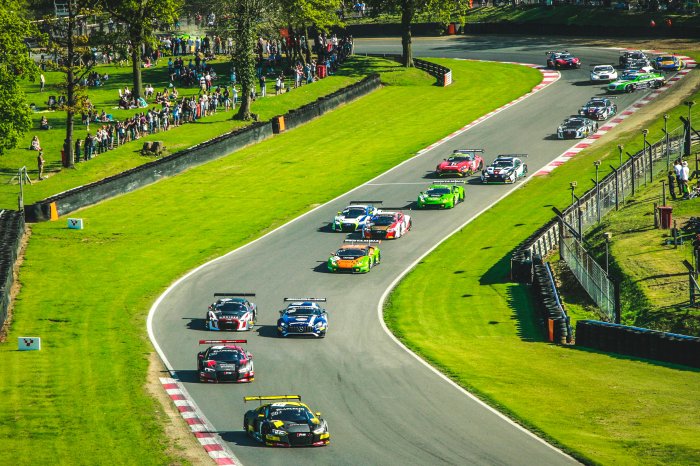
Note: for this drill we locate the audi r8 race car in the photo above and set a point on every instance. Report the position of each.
(562, 60)
(576, 127)
(386, 225)
(630, 82)
(444, 195)
(225, 362)
(286, 422)
(231, 312)
(355, 216)
(598, 108)
(356, 256)
(668, 63)
(605, 73)
(634, 59)
(303, 316)
(462, 162)
(507, 168)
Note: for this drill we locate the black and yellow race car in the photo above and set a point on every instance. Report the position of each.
(285, 422)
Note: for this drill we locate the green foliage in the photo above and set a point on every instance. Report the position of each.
(15, 114)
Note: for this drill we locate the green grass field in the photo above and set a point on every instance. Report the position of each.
(86, 293)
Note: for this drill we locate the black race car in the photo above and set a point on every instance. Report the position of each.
(576, 127)
(507, 168)
(286, 422)
(232, 311)
(598, 108)
(225, 362)
(634, 59)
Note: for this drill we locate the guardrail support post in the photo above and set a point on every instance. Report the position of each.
(617, 189)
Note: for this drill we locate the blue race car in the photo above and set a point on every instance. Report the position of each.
(668, 63)
(303, 316)
(355, 216)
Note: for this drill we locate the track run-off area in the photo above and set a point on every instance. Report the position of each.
(383, 405)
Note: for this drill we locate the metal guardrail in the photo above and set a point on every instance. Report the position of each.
(442, 73)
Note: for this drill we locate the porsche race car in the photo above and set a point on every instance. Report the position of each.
(562, 59)
(354, 216)
(507, 168)
(303, 316)
(630, 82)
(668, 63)
(605, 73)
(231, 312)
(598, 108)
(576, 127)
(443, 195)
(355, 256)
(387, 224)
(462, 162)
(285, 422)
(225, 361)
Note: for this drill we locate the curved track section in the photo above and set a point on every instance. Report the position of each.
(383, 406)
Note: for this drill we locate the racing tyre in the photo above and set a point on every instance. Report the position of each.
(410, 224)
(379, 258)
(322, 335)
(656, 84)
(629, 88)
(245, 428)
(481, 165)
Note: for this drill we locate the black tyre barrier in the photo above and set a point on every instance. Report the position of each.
(639, 342)
(577, 30)
(552, 314)
(521, 268)
(11, 232)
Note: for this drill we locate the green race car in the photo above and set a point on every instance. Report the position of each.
(357, 256)
(444, 195)
(631, 81)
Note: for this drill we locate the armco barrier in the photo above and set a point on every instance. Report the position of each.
(639, 342)
(442, 73)
(11, 232)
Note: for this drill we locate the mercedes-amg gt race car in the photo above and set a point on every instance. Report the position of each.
(507, 168)
(356, 256)
(598, 108)
(668, 63)
(576, 127)
(462, 162)
(231, 312)
(443, 195)
(634, 59)
(303, 316)
(630, 82)
(387, 224)
(604, 73)
(285, 422)
(355, 216)
(225, 361)
(562, 59)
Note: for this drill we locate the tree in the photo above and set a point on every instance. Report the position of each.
(15, 65)
(142, 18)
(298, 15)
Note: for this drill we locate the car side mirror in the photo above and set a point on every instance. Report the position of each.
(339, 212)
(318, 413)
(261, 416)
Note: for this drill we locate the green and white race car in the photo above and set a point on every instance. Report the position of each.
(443, 195)
(631, 81)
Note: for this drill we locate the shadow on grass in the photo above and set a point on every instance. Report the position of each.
(625, 357)
(498, 273)
(528, 325)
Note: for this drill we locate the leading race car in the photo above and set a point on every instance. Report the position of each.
(603, 73)
(668, 63)
(443, 195)
(355, 216)
(356, 256)
(387, 224)
(562, 59)
(598, 108)
(635, 59)
(462, 162)
(285, 422)
(231, 312)
(630, 82)
(576, 127)
(507, 168)
(303, 316)
(225, 361)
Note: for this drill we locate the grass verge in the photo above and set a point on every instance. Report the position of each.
(86, 293)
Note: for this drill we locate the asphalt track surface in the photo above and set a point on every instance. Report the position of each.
(383, 406)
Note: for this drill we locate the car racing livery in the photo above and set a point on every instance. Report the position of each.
(285, 422)
(630, 82)
(668, 63)
(598, 108)
(576, 127)
(387, 224)
(354, 216)
(443, 195)
(225, 362)
(605, 73)
(562, 59)
(356, 256)
(232, 312)
(462, 162)
(507, 168)
(634, 59)
(303, 316)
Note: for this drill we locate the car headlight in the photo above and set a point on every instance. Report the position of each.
(282, 324)
(209, 369)
(320, 430)
(421, 197)
(245, 367)
(278, 432)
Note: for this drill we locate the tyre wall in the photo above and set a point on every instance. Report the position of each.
(11, 232)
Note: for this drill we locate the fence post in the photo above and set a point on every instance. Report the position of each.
(618, 303)
(634, 173)
(617, 189)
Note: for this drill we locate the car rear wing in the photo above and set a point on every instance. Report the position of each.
(365, 202)
(464, 151)
(522, 155)
(271, 398)
(601, 64)
(448, 182)
(362, 241)
(556, 51)
(313, 300)
(213, 342)
(234, 294)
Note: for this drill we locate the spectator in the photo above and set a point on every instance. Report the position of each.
(40, 164)
(263, 88)
(42, 83)
(672, 183)
(685, 176)
(44, 123)
(35, 145)
(677, 168)
(88, 147)
(77, 150)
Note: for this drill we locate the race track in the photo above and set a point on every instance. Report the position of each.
(383, 406)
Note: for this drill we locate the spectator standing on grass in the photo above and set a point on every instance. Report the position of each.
(677, 169)
(40, 164)
(88, 147)
(42, 83)
(263, 89)
(76, 150)
(672, 183)
(685, 176)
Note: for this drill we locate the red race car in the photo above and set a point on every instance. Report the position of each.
(463, 162)
(225, 361)
(562, 59)
(386, 225)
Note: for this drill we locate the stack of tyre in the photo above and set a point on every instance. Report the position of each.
(552, 312)
(11, 231)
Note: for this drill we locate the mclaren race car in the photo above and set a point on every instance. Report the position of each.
(576, 127)
(231, 312)
(355, 256)
(507, 168)
(225, 361)
(303, 316)
(387, 224)
(442, 195)
(462, 162)
(354, 216)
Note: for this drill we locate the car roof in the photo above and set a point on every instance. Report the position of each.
(226, 347)
(355, 246)
(287, 404)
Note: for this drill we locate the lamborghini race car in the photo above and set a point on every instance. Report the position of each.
(355, 216)
(598, 108)
(303, 316)
(225, 362)
(286, 422)
(576, 127)
(562, 60)
(231, 312)
(462, 162)
(634, 59)
(507, 168)
(386, 225)
(630, 82)
(356, 256)
(603, 73)
(442, 195)
(668, 63)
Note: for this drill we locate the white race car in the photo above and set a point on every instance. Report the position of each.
(603, 73)
(355, 216)
(231, 312)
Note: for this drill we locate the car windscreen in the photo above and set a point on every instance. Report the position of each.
(302, 311)
(438, 191)
(603, 69)
(666, 58)
(225, 355)
(502, 163)
(459, 158)
(383, 220)
(295, 414)
(231, 308)
(596, 103)
(349, 253)
(353, 212)
(573, 124)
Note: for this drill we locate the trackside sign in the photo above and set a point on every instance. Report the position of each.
(28, 343)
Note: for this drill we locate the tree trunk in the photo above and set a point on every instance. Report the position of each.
(136, 69)
(407, 13)
(245, 59)
(70, 90)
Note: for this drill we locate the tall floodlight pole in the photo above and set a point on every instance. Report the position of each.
(597, 188)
